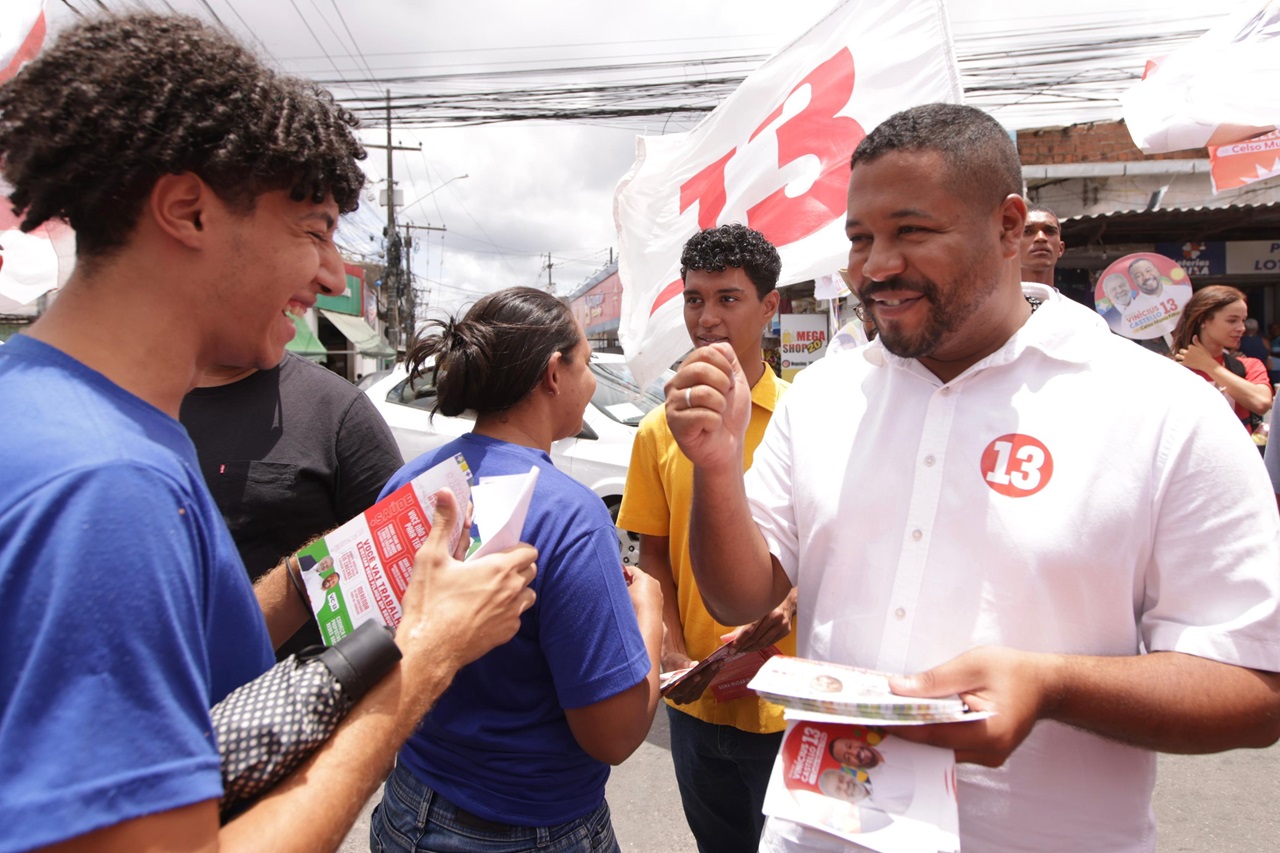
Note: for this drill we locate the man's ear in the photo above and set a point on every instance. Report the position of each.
(769, 305)
(1013, 219)
(179, 204)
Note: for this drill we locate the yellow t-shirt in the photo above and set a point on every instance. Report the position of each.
(656, 502)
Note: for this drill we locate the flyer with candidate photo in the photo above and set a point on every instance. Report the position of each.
(360, 571)
(862, 784)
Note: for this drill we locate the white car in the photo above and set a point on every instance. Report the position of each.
(598, 456)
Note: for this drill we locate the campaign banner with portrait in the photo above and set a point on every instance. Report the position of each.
(862, 784)
(1141, 296)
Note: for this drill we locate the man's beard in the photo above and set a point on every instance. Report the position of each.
(945, 314)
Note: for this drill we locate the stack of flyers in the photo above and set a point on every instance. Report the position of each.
(815, 687)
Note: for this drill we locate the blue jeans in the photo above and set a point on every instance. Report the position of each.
(413, 818)
(722, 773)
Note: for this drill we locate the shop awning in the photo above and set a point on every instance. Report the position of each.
(362, 336)
(305, 343)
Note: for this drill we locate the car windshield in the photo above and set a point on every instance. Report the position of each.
(618, 395)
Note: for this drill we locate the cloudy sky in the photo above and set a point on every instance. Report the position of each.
(539, 188)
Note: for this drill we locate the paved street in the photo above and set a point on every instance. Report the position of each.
(1226, 803)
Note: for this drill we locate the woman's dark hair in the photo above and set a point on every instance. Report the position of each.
(495, 355)
(1204, 303)
(116, 103)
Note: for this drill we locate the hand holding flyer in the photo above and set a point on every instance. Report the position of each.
(360, 571)
(820, 689)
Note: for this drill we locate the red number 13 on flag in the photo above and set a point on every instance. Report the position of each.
(815, 130)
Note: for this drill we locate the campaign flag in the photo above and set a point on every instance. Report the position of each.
(30, 264)
(774, 156)
(1220, 88)
(22, 30)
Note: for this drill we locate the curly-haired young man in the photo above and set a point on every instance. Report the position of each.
(204, 190)
(722, 748)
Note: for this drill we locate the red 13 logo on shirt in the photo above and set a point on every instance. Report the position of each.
(1017, 465)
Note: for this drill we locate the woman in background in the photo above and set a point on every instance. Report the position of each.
(515, 755)
(1211, 325)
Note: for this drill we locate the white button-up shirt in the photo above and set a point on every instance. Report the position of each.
(1071, 493)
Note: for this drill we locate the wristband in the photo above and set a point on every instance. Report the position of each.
(289, 562)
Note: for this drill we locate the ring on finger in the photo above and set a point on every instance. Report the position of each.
(688, 398)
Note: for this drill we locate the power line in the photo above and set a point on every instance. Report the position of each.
(354, 45)
(307, 24)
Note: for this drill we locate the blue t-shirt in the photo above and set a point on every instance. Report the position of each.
(126, 610)
(497, 742)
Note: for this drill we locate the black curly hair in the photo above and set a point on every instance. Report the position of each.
(733, 245)
(117, 102)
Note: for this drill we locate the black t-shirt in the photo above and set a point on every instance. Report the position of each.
(288, 454)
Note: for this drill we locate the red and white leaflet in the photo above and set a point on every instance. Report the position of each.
(866, 786)
(775, 156)
(360, 571)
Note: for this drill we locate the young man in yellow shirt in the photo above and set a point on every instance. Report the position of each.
(722, 751)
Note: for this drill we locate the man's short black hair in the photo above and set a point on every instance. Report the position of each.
(117, 102)
(734, 245)
(980, 157)
(1041, 208)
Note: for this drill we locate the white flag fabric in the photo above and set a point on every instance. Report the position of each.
(30, 264)
(1220, 88)
(774, 156)
(22, 29)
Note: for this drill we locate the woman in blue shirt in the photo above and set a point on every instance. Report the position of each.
(515, 755)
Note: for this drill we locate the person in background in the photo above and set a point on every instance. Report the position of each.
(1254, 345)
(722, 751)
(1211, 326)
(924, 494)
(516, 755)
(204, 189)
(1041, 246)
(288, 453)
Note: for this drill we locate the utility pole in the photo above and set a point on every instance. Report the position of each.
(393, 282)
(411, 308)
(551, 287)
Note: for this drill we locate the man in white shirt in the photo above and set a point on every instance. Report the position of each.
(944, 508)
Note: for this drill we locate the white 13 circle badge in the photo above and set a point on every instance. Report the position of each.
(1017, 465)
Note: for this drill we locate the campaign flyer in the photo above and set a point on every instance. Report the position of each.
(862, 784)
(360, 571)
